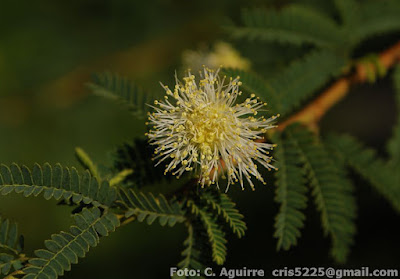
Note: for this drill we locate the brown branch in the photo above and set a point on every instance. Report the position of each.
(312, 113)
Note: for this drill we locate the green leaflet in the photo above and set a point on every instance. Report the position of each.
(290, 192)
(227, 209)
(9, 262)
(364, 160)
(394, 142)
(120, 177)
(86, 161)
(215, 234)
(11, 243)
(299, 81)
(66, 248)
(56, 182)
(147, 207)
(294, 24)
(121, 89)
(331, 189)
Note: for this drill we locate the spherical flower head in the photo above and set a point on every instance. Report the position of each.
(201, 128)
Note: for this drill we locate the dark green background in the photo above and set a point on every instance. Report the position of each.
(48, 49)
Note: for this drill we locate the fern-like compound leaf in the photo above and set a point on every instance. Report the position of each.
(302, 78)
(227, 209)
(394, 143)
(215, 234)
(10, 241)
(56, 182)
(65, 248)
(147, 207)
(364, 161)
(294, 24)
(123, 90)
(331, 189)
(290, 192)
(295, 84)
(375, 18)
(191, 254)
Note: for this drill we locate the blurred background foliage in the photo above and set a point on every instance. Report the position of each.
(48, 50)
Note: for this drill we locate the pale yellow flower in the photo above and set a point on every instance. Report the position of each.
(201, 128)
(222, 53)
